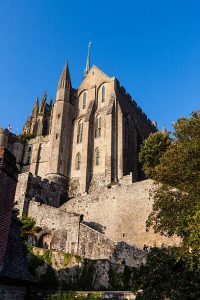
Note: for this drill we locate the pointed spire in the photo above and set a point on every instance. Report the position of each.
(87, 67)
(65, 77)
(35, 107)
(43, 103)
(36, 101)
(50, 101)
(44, 96)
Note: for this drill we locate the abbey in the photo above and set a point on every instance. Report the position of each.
(79, 177)
(89, 136)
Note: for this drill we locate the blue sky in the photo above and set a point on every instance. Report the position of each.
(152, 47)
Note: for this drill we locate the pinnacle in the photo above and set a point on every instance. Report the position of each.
(65, 76)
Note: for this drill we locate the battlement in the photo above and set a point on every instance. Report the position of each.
(133, 104)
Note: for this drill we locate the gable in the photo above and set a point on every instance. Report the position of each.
(95, 77)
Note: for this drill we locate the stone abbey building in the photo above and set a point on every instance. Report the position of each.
(79, 177)
(88, 136)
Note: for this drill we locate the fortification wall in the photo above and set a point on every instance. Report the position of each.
(61, 228)
(122, 211)
(94, 245)
(62, 231)
(34, 187)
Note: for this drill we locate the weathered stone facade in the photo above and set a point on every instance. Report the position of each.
(88, 135)
(94, 225)
(121, 210)
(80, 179)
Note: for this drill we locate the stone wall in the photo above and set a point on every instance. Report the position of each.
(122, 210)
(62, 227)
(64, 231)
(93, 244)
(40, 189)
(72, 272)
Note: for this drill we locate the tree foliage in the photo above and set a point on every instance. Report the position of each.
(165, 277)
(152, 150)
(175, 168)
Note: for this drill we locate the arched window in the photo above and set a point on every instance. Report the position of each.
(97, 127)
(79, 132)
(78, 161)
(97, 156)
(84, 99)
(103, 93)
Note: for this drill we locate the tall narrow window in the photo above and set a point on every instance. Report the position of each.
(78, 161)
(79, 132)
(97, 156)
(97, 127)
(84, 99)
(103, 91)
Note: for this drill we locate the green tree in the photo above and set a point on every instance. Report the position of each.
(152, 150)
(165, 277)
(175, 168)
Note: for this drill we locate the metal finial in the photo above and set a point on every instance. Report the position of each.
(87, 68)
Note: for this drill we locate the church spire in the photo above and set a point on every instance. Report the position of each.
(65, 77)
(35, 107)
(87, 67)
(43, 103)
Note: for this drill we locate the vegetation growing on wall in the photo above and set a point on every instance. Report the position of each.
(28, 226)
(86, 276)
(27, 136)
(67, 258)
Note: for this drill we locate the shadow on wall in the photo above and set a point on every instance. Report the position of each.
(41, 190)
(96, 226)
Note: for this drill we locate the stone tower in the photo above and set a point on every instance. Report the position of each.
(60, 137)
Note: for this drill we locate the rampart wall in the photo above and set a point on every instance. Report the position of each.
(41, 190)
(122, 210)
(62, 228)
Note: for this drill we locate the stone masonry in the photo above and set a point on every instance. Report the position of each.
(90, 134)
(79, 174)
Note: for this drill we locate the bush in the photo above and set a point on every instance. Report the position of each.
(27, 136)
(72, 296)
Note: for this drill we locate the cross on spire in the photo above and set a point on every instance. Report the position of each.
(87, 67)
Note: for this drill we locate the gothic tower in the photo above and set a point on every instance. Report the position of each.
(60, 137)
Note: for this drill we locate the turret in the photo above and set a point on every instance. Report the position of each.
(43, 103)
(60, 138)
(35, 108)
(30, 124)
(64, 85)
